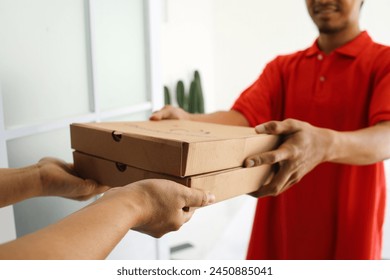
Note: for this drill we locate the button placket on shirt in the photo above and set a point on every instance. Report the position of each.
(322, 65)
(320, 58)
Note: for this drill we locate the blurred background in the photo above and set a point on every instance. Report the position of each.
(64, 61)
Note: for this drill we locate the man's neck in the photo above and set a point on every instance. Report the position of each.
(329, 42)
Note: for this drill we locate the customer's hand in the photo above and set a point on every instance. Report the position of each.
(156, 207)
(57, 178)
(169, 112)
(303, 147)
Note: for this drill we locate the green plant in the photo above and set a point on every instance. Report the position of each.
(192, 102)
(167, 96)
(181, 95)
(199, 93)
(193, 98)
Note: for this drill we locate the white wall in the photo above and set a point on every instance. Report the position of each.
(250, 33)
(375, 20)
(230, 41)
(187, 44)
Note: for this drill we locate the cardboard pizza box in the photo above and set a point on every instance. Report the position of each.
(173, 147)
(223, 184)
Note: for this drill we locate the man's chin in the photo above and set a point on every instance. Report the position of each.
(329, 30)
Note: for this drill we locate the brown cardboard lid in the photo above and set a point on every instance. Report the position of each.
(176, 130)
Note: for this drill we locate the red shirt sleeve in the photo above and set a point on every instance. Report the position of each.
(261, 102)
(380, 99)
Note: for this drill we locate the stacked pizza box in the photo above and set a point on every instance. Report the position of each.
(197, 155)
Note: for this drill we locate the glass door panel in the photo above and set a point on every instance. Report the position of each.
(36, 213)
(118, 35)
(43, 58)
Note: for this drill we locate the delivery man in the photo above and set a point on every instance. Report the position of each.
(330, 103)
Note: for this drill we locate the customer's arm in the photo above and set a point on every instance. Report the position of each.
(305, 146)
(49, 177)
(154, 207)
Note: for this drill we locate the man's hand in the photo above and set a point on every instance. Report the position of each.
(169, 112)
(57, 178)
(303, 147)
(158, 206)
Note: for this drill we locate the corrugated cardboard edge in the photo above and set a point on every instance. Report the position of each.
(145, 152)
(233, 182)
(108, 172)
(224, 184)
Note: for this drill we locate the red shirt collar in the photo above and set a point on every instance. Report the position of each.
(352, 48)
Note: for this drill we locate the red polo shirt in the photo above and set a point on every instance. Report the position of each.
(336, 211)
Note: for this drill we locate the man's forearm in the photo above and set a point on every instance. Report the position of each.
(361, 147)
(222, 117)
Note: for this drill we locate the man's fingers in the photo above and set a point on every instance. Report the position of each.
(280, 182)
(165, 113)
(279, 127)
(277, 184)
(160, 114)
(271, 157)
(156, 116)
